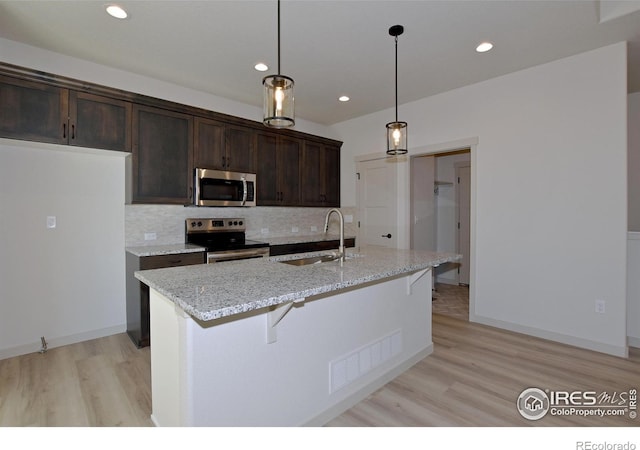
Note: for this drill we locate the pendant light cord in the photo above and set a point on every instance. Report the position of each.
(396, 77)
(279, 38)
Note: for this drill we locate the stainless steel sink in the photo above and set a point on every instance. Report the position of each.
(311, 260)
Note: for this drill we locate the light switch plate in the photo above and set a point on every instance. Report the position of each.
(51, 221)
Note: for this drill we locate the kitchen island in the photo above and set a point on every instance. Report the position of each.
(265, 343)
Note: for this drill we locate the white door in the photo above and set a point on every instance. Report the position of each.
(376, 202)
(463, 200)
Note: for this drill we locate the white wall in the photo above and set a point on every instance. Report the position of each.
(65, 283)
(549, 174)
(634, 161)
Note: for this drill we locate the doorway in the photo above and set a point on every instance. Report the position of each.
(440, 221)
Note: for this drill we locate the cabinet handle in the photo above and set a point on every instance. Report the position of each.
(224, 162)
(388, 236)
(190, 192)
(228, 162)
(64, 130)
(175, 261)
(73, 131)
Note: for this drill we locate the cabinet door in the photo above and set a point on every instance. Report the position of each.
(289, 171)
(162, 156)
(33, 111)
(209, 149)
(240, 145)
(320, 175)
(311, 174)
(99, 122)
(266, 178)
(331, 194)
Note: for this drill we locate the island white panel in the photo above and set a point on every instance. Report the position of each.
(228, 375)
(633, 289)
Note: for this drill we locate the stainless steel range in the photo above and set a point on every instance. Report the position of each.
(224, 239)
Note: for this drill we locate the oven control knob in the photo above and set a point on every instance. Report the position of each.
(230, 222)
(235, 222)
(193, 224)
(199, 224)
(240, 223)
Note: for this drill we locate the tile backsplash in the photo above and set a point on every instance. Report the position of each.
(166, 222)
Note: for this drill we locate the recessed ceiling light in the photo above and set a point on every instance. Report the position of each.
(484, 47)
(117, 12)
(344, 98)
(261, 67)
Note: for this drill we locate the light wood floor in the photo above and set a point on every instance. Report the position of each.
(451, 300)
(102, 382)
(473, 378)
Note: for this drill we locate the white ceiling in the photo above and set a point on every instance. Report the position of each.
(329, 48)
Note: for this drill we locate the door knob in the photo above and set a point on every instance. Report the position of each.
(388, 236)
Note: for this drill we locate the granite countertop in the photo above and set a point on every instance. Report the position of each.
(169, 249)
(320, 237)
(212, 291)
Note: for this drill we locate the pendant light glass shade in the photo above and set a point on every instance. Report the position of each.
(278, 102)
(396, 138)
(396, 131)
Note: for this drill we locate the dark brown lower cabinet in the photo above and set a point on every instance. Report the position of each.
(138, 293)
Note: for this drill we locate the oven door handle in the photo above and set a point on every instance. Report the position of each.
(244, 191)
(213, 256)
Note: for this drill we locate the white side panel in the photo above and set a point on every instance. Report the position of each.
(633, 289)
(65, 283)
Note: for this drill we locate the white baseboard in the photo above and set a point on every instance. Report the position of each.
(59, 342)
(614, 350)
(362, 393)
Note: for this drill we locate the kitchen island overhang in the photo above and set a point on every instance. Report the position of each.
(288, 345)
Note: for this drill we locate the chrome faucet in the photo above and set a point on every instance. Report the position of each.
(326, 228)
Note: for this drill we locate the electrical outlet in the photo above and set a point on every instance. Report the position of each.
(51, 221)
(314, 228)
(600, 306)
(264, 231)
(348, 218)
(294, 229)
(150, 236)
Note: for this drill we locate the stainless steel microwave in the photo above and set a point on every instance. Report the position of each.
(221, 188)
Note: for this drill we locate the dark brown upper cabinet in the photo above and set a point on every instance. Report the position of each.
(320, 175)
(278, 176)
(39, 112)
(224, 147)
(33, 111)
(162, 157)
(99, 122)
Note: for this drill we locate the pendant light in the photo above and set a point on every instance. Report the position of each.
(278, 111)
(396, 131)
